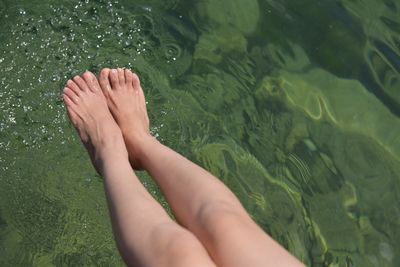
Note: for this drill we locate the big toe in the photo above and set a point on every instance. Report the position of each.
(114, 78)
(135, 81)
(121, 76)
(105, 81)
(138, 88)
(132, 80)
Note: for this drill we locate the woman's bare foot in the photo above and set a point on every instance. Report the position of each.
(88, 112)
(126, 101)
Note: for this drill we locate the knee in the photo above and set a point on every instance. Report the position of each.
(174, 244)
(180, 248)
(172, 239)
(217, 216)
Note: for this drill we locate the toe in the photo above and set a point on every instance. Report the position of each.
(71, 95)
(135, 80)
(137, 87)
(114, 79)
(105, 81)
(91, 81)
(67, 99)
(81, 83)
(74, 87)
(121, 76)
(128, 78)
(73, 116)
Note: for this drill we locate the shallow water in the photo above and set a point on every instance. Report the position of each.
(295, 105)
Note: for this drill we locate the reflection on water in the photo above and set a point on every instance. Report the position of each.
(294, 104)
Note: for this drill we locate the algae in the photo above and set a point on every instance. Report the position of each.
(241, 15)
(282, 100)
(313, 92)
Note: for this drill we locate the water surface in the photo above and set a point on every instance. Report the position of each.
(293, 104)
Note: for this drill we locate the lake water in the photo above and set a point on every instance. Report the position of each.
(294, 104)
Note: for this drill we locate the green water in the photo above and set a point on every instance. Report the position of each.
(294, 104)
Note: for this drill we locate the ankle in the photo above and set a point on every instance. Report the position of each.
(103, 163)
(138, 146)
(110, 151)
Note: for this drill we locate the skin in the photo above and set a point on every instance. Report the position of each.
(145, 234)
(214, 229)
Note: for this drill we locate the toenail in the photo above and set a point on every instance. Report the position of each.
(66, 89)
(114, 71)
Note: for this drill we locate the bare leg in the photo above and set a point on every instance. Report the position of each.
(145, 234)
(201, 203)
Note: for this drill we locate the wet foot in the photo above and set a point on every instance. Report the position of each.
(88, 111)
(126, 101)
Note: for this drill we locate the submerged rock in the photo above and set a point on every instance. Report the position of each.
(240, 14)
(346, 103)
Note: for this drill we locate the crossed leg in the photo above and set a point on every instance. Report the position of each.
(145, 234)
(201, 203)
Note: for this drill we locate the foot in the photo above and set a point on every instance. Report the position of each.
(88, 111)
(126, 101)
